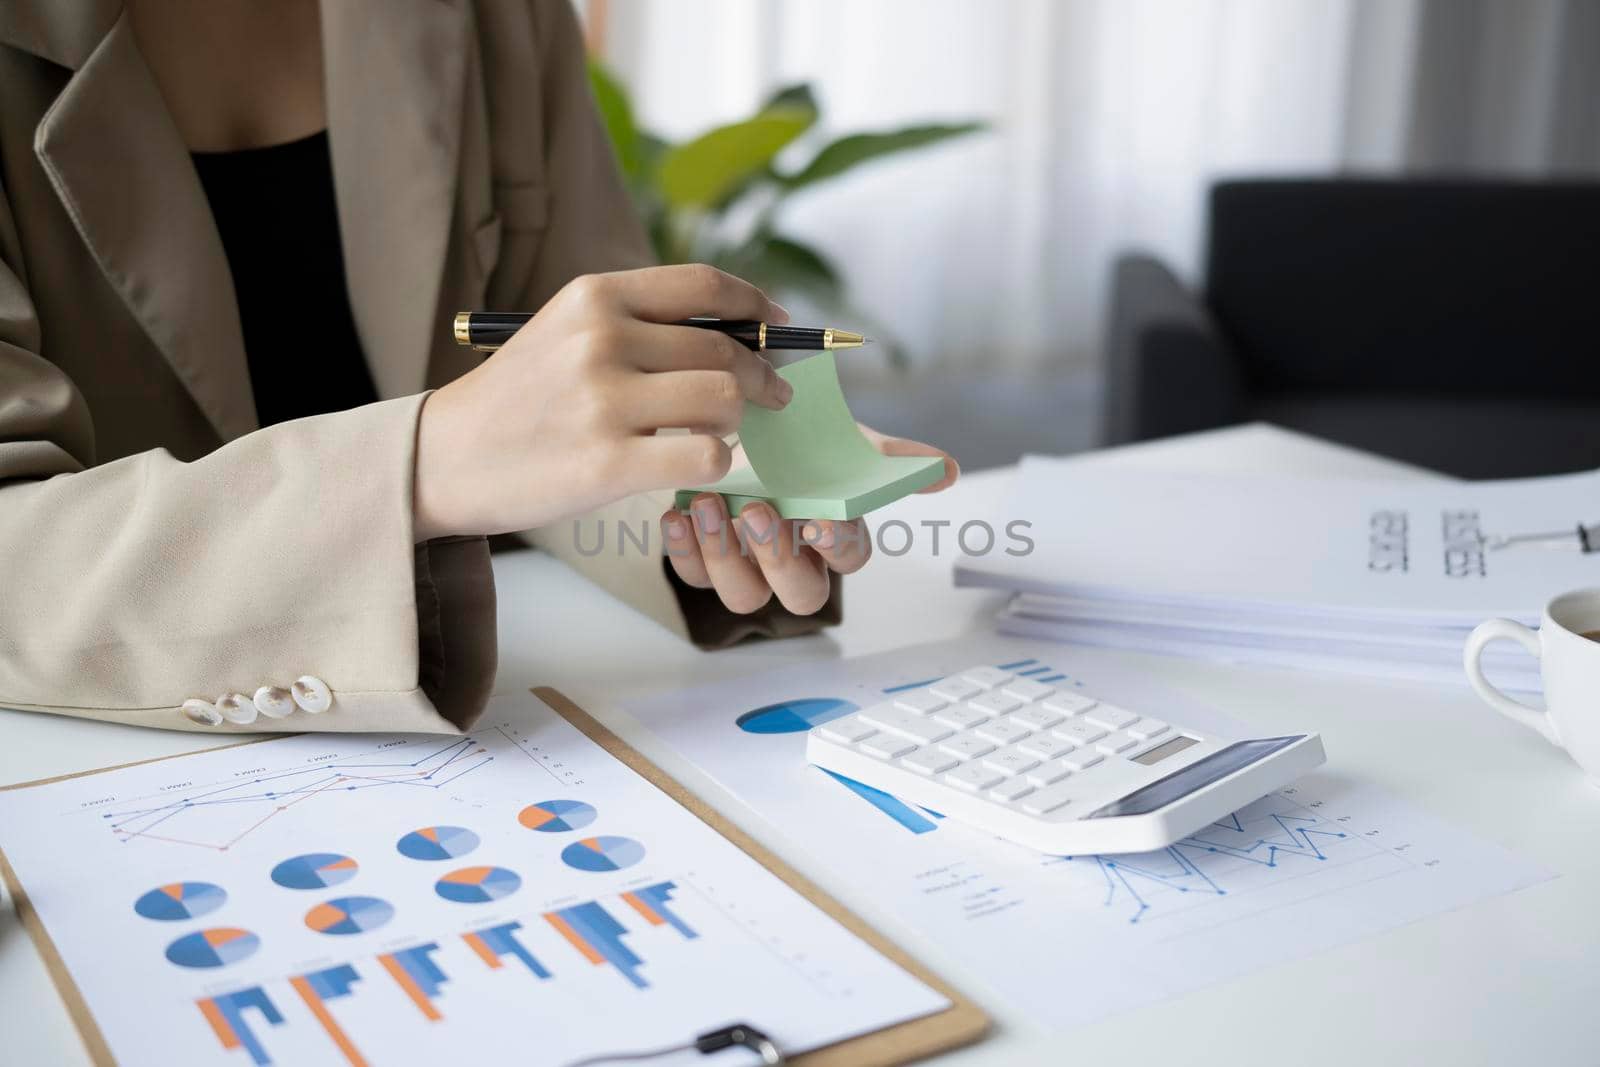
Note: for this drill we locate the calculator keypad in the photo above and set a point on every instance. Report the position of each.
(1110, 716)
(1010, 760)
(995, 703)
(1002, 731)
(921, 702)
(954, 689)
(1027, 690)
(1068, 703)
(1079, 732)
(1037, 718)
(1013, 740)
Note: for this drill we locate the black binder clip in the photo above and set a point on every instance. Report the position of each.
(739, 1035)
(744, 1036)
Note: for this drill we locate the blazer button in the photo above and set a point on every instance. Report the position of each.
(202, 713)
(274, 701)
(312, 694)
(237, 708)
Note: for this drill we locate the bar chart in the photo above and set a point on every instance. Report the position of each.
(353, 900)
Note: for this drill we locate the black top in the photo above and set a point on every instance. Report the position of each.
(279, 224)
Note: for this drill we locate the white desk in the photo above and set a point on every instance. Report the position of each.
(1513, 979)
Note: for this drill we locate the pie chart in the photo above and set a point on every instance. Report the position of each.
(213, 948)
(793, 716)
(437, 843)
(314, 870)
(349, 915)
(557, 816)
(603, 853)
(477, 885)
(180, 900)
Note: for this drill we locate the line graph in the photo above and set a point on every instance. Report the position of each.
(221, 816)
(1266, 843)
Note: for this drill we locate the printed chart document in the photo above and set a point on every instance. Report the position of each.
(514, 896)
(1073, 939)
(1406, 550)
(1378, 577)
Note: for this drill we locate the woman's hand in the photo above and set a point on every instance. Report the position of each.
(783, 558)
(563, 418)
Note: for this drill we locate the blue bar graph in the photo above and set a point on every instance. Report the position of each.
(416, 973)
(651, 902)
(591, 930)
(497, 941)
(226, 1016)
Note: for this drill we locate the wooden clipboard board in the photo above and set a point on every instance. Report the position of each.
(960, 1024)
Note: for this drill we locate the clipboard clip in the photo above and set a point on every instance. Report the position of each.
(738, 1035)
(742, 1035)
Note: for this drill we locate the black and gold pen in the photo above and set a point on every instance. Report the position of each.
(488, 330)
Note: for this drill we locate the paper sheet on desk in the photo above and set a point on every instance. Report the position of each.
(1404, 550)
(1371, 648)
(330, 899)
(1511, 671)
(1069, 940)
(810, 460)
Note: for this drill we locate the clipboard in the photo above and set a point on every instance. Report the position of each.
(962, 1023)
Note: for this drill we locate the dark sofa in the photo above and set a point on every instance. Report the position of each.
(1453, 324)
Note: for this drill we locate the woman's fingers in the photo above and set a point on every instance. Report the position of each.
(670, 461)
(704, 401)
(683, 550)
(756, 556)
(794, 573)
(680, 348)
(735, 576)
(667, 294)
(903, 446)
(844, 546)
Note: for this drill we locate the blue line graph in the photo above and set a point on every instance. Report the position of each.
(435, 770)
(1211, 862)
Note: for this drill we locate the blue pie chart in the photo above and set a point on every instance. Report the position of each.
(794, 716)
(180, 900)
(437, 843)
(602, 853)
(315, 870)
(477, 885)
(557, 816)
(349, 915)
(213, 948)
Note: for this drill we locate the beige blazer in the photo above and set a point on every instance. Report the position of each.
(156, 545)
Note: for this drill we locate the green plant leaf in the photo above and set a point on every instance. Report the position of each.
(797, 96)
(704, 172)
(858, 148)
(617, 114)
(777, 263)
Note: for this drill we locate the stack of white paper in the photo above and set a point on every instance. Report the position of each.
(1378, 577)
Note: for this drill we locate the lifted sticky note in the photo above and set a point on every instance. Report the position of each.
(810, 460)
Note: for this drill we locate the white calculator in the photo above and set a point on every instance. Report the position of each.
(1050, 767)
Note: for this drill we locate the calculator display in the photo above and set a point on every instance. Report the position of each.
(1181, 783)
(1161, 752)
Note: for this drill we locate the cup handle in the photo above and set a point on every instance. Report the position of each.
(1505, 630)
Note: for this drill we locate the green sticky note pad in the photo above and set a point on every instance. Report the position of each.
(810, 460)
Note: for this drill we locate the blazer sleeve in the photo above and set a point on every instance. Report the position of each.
(594, 227)
(130, 587)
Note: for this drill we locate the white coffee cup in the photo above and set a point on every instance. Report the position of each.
(1570, 666)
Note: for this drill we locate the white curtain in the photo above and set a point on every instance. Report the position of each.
(1109, 120)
